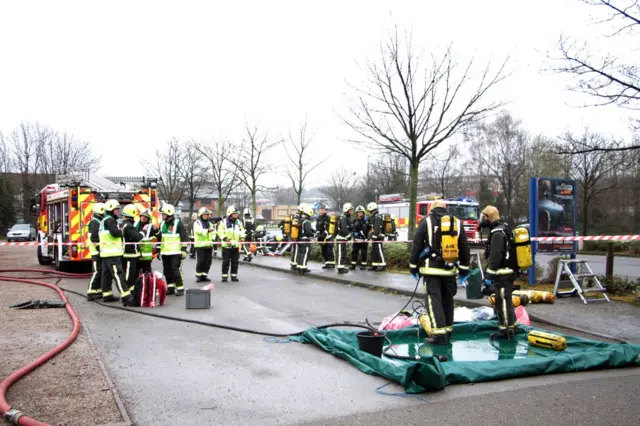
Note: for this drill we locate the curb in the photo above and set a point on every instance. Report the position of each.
(112, 388)
(464, 302)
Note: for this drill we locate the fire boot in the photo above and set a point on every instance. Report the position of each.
(440, 339)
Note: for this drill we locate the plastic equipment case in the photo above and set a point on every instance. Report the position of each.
(198, 299)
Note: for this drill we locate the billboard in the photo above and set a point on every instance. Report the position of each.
(553, 207)
(557, 199)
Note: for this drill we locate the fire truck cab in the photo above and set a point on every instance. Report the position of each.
(64, 210)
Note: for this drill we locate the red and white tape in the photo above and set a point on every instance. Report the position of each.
(536, 239)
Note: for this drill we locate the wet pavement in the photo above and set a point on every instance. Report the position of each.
(615, 319)
(170, 372)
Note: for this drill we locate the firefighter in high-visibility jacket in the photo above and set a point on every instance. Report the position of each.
(111, 252)
(204, 233)
(428, 254)
(231, 232)
(173, 251)
(345, 233)
(131, 251)
(95, 290)
(150, 234)
(499, 273)
(360, 245)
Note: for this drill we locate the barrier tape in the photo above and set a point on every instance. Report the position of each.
(536, 239)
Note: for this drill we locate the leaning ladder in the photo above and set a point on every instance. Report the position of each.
(583, 272)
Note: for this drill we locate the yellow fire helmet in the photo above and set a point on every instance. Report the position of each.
(111, 205)
(491, 214)
(168, 209)
(98, 208)
(129, 211)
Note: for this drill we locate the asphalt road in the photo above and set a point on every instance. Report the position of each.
(175, 373)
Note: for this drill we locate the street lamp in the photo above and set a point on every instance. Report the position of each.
(375, 192)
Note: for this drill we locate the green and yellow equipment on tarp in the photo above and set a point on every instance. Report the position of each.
(471, 356)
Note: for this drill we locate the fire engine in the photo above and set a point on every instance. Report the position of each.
(465, 209)
(64, 210)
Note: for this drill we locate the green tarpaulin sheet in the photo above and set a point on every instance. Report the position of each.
(472, 358)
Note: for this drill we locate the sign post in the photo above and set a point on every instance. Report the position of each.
(553, 208)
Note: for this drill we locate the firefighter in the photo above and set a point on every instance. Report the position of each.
(439, 275)
(204, 234)
(360, 244)
(376, 234)
(111, 252)
(173, 249)
(295, 234)
(344, 234)
(231, 233)
(95, 290)
(248, 224)
(192, 246)
(324, 239)
(149, 233)
(306, 235)
(499, 273)
(131, 251)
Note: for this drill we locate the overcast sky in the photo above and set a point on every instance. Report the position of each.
(128, 75)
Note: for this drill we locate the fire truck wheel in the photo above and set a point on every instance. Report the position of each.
(42, 259)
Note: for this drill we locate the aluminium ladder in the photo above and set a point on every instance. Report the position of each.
(583, 273)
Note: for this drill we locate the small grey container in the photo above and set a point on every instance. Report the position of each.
(198, 299)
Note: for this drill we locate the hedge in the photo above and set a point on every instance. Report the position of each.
(396, 255)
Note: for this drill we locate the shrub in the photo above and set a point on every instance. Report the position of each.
(601, 246)
(619, 285)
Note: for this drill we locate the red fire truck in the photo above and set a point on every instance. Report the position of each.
(465, 209)
(64, 210)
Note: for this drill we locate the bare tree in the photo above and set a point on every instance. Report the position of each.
(250, 161)
(192, 174)
(501, 149)
(443, 172)
(283, 195)
(221, 171)
(341, 188)
(168, 166)
(300, 164)
(591, 169)
(607, 80)
(25, 140)
(410, 111)
(63, 154)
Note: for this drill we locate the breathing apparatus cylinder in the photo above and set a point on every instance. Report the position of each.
(295, 228)
(287, 225)
(523, 247)
(333, 225)
(547, 340)
(449, 239)
(388, 224)
(425, 322)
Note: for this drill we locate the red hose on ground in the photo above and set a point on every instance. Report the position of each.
(18, 374)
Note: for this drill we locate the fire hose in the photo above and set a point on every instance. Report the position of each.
(11, 414)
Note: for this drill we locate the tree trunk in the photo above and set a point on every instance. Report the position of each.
(413, 197)
(219, 204)
(253, 201)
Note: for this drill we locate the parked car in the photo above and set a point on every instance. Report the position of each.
(21, 232)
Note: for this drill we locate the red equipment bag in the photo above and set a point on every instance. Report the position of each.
(153, 288)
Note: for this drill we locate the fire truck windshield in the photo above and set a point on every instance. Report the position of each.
(464, 212)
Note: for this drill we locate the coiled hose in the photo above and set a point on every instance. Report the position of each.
(11, 414)
(17, 417)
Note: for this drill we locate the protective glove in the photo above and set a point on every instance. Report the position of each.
(414, 273)
(184, 254)
(488, 283)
